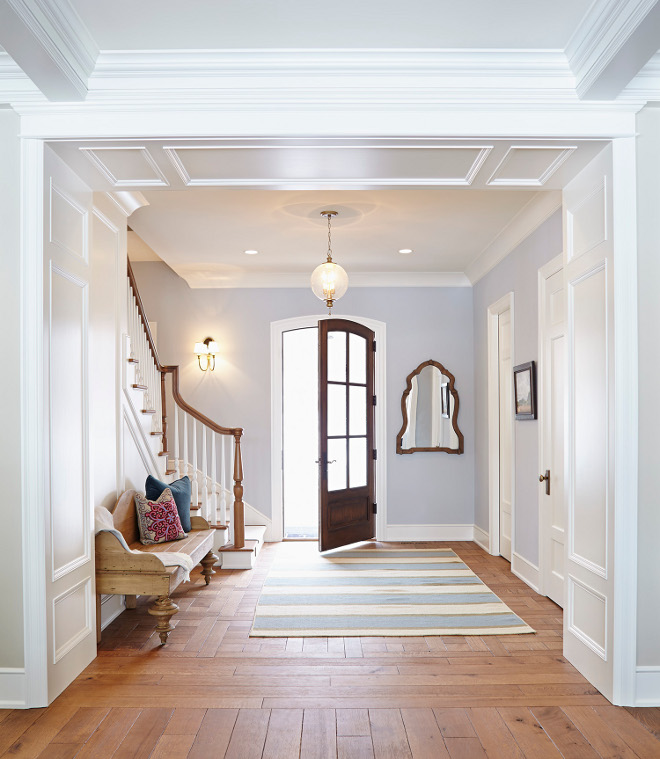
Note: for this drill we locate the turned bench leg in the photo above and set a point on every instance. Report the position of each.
(163, 609)
(207, 566)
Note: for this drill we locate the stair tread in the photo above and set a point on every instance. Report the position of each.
(148, 410)
(139, 387)
(250, 545)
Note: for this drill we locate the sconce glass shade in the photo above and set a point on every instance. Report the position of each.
(329, 282)
(201, 349)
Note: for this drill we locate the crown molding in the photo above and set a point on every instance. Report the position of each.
(208, 279)
(600, 37)
(646, 85)
(128, 202)
(540, 208)
(51, 44)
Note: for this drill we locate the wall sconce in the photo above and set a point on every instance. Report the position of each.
(206, 353)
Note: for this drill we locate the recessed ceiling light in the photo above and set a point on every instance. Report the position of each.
(251, 252)
(405, 251)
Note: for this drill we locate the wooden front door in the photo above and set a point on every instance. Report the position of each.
(346, 433)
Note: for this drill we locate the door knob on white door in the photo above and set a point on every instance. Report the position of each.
(546, 478)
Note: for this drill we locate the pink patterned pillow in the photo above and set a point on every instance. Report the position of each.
(158, 520)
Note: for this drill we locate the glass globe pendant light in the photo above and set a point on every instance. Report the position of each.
(329, 280)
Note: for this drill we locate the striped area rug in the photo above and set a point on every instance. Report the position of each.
(375, 592)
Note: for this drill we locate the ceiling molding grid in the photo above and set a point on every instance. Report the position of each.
(174, 154)
(499, 178)
(123, 157)
(51, 44)
(527, 220)
(612, 43)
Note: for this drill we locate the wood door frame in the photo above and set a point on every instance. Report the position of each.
(277, 328)
(544, 273)
(494, 310)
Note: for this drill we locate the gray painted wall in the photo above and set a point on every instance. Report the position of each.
(11, 623)
(422, 323)
(648, 272)
(517, 273)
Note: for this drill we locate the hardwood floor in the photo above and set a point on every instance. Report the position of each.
(215, 692)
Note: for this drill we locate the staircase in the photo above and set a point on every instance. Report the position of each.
(190, 444)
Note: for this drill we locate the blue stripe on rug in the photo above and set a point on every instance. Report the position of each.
(386, 622)
(377, 581)
(276, 599)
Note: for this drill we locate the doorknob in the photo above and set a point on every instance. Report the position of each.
(318, 461)
(546, 478)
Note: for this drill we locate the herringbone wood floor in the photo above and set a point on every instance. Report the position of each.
(214, 692)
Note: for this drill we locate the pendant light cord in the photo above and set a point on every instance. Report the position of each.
(329, 239)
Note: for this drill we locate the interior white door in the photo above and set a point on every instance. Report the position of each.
(590, 462)
(552, 331)
(505, 373)
(70, 591)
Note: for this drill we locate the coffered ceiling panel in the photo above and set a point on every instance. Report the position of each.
(393, 164)
(529, 165)
(126, 166)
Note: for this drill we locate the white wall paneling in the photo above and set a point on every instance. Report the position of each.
(601, 456)
(71, 642)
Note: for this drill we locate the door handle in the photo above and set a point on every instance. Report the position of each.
(333, 461)
(546, 478)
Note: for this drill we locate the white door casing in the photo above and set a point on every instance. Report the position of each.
(552, 425)
(505, 371)
(70, 591)
(601, 451)
(496, 432)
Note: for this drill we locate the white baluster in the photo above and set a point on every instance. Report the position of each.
(177, 467)
(232, 516)
(205, 484)
(223, 481)
(185, 443)
(195, 482)
(214, 484)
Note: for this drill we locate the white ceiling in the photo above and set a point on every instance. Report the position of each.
(202, 233)
(242, 24)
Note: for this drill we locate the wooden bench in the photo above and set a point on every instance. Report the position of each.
(130, 574)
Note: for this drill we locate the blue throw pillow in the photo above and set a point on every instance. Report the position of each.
(182, 492)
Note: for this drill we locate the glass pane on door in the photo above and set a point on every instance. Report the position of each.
(358, 359)
(336, 410)
(337, 464)
(337, 356)
(358, 462)
(357, 410)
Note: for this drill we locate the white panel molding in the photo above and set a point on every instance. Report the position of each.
(553, 165)
(481, 537)
(15, 84)
(423, 532)
(647, 686)
(13, 688)
(599, 197)
(85, 585)
(51, 44)
(277, 328)
(597, 648)
(204, 278)
(33, 441)
(158, 180)
(603, 36)
(529, 573)
(646, 85)
(57, 192)
(539, 209)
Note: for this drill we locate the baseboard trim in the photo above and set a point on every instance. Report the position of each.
(526, 571)
(421, 532)
(111, 607)
(481, 538)
(647, 686)
(13, 688)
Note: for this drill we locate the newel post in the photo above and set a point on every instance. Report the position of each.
(163, 408)
(239, 510)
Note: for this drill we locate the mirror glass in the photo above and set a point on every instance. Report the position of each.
(430, 412)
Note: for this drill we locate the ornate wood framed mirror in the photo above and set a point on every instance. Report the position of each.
(429, 406)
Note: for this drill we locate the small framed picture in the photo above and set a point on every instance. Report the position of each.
(444, 395)
(524, 390)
